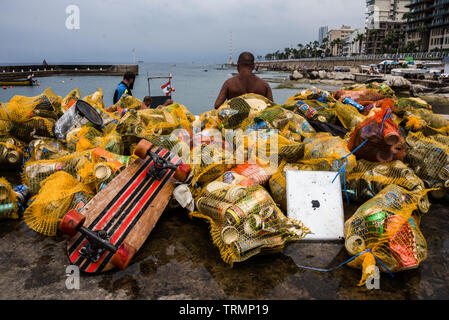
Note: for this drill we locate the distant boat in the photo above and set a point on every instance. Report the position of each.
(140, 61)
(26, 82)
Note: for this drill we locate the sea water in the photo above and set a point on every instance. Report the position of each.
(196, 85)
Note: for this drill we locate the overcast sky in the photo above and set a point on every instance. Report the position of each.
(164, 30)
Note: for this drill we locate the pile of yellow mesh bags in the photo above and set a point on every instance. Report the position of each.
(239, 156)
(244, 219)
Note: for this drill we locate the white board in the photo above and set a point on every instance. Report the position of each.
(313, 199)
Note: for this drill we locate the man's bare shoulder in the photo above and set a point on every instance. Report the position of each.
(231, 80)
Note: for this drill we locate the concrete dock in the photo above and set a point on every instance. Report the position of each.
(23, 71)
(179, 261)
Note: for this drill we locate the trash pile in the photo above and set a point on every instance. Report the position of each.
(389, 152)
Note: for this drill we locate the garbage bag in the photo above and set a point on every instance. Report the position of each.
(244, 220)
(359, 95)
(35, 127)
(258, 173)
(9, 208)
(380, 88)
(348, 115)
(409, 104)
(289, 123)
(386, 225)
(35, 172)
(96, 101)
(45, 149)
(60, 193)
(325, 152)
(22, 109)
(312, 94)
(240, 111)
(377, 139)
(70, 99)
(367, 179)
(426, 121)
(429, 158)
(11, 151)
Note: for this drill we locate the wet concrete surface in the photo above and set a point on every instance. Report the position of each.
(179, 261)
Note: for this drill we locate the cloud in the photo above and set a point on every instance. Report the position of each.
(165, 30)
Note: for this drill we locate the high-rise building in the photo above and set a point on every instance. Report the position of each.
(322, 33)
(336, 34)
(428, 24)
(385, 25)
(378, 11)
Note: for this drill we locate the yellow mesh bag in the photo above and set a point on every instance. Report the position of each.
(36, 126)
(208, 163)
(311, 94)
(159, 122)
(285, 121)
(174, 144)
(239, 112)
(208, 120)
(60, 193)
(37, 171)
(348, 115)
(5, 125)
(87, 137)
(125, 102)
(45, 149)
(367, 179)
(180, 112)
(132, 128)
(386, 226)
(408, 104)
(70, 99)
(105, 166)
(81, 139)
(96, 101)
(440, 138)
(380, 88)
(272, 147)
(11, 151)
(316, 110)
(244, 220)
(325, 152)
(8, 201)
(20, 108)
(278, 187)
(430, 161)
(425, 121)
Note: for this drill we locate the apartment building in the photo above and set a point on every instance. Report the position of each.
(385, 25)
(428, 24)
(334, 34)
(353, 46)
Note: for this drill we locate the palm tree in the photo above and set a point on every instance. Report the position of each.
(407, 16)
(423, 30)
(360, 39)
(376, 33)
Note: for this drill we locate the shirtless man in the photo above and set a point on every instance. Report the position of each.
(244, 82)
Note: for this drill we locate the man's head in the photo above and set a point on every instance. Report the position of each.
(245, 61)
(129, 78)
(147, 101)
